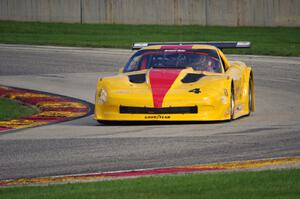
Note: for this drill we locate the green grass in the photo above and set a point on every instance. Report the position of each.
(10, 109)
(228, 185)
(267, 41)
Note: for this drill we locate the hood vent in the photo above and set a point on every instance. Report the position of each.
(192, 77)
(138, 78)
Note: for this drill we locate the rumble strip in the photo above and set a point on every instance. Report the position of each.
(228, 166)
(52, 108)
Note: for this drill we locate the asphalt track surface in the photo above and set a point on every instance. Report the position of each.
(83, 145)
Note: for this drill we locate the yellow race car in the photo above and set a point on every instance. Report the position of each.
(177, 82)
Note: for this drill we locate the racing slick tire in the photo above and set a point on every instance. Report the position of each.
(250, 97)
(232, 103)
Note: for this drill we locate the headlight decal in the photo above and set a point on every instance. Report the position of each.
(102, 96)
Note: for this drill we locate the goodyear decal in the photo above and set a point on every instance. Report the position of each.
(52, 108)
(157, 117)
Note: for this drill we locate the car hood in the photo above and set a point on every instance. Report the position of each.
(157, 83)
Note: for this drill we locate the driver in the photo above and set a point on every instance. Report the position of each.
(203, 63)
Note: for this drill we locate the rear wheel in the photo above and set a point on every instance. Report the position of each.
(250, 97)
(232, 103)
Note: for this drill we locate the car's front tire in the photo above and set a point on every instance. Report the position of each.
(104, 122)
(232, 103)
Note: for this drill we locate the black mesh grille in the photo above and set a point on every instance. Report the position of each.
(167, 110)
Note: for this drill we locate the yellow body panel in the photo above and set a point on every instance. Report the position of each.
(213, 103)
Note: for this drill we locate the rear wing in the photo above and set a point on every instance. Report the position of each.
(220, 45)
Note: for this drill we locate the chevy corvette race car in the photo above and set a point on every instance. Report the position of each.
(177, 82)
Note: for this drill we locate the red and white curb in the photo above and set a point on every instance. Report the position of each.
(228, 166)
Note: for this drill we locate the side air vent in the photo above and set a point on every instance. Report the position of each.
(139, 78)
(192, 77)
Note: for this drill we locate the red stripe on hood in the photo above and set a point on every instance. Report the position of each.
(161, 80)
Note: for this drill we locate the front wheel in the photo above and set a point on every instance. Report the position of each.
(104, 122)
(232, 103)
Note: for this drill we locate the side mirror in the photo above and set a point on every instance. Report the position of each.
(121, 70)
(226, 67)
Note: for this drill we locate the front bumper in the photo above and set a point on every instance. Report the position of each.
(204, 113)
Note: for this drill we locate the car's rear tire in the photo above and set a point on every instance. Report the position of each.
(250, 97)
(232, 103)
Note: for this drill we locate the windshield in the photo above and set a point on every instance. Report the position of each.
(203, 59)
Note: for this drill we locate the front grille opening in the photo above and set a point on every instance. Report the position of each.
(166, 110)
